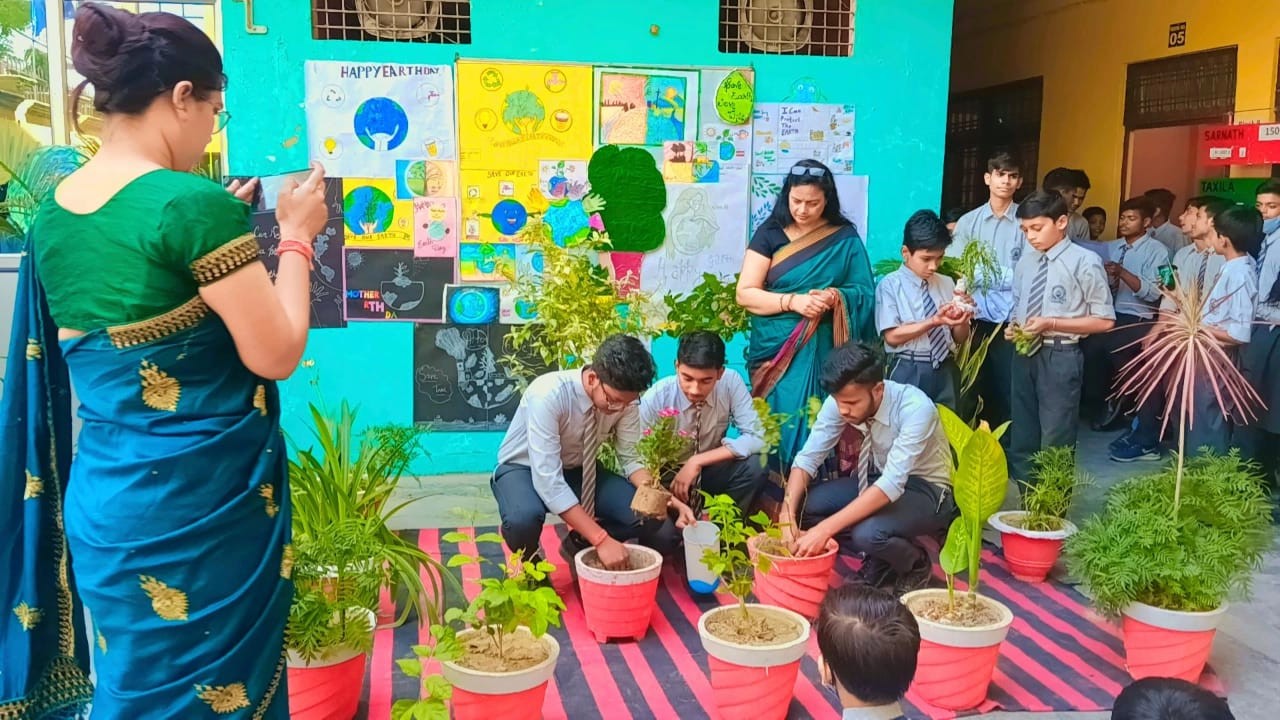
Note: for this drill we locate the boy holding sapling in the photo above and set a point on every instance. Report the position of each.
(1060, 294)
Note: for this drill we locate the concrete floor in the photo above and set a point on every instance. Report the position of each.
(1246, 653)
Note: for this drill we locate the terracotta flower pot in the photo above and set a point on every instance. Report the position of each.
(1168, 643)
(798, 584)
(753, 682)
(1031, 554)
(479, 695)
(328, 687)
(619, 604)
(955, 664)
(651, 501)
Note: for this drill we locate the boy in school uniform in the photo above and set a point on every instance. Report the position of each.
(1197, 268)
(868, 643)
(995, 224)
(709, 400)
(1073, 185)
(547, 461)
(901, 488)
(1162, 225)
(1228, 311)
(1260, 361)
(1097, 218)
(920, 331)
(1060, 296)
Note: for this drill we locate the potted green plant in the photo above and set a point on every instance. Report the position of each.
(660, 450)
(753, 650)
(960, 635)
(1032, 537)
(331, 619)
(498, 666)
(711, 305)
(1170, 549)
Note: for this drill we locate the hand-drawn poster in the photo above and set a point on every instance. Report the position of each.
(512, 309)
(851, 189)
(363, 117)
(373, 216)
(498, 203)
(787, 133)
(394, 285)
(426, 178)
(326, 275)
(511, 115)
(486, 262)
(706, 232)
(642, 106)
(459, 381)
(693, 162)
(471, 304)
(727, 94)
(435, 227)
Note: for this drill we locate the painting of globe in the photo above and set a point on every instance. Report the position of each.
(381, 124)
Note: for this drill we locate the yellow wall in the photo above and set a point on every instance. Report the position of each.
(1082, 49)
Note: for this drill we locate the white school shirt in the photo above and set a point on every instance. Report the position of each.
(892, 711)
(1003, 233)
(1076, 285)
(1143, 259)
(900, 301)
(1188, 261)
(1230, 306)
(546, 434)
(729, 402)
(1267, 275)
(905, 438)
(1171, 236)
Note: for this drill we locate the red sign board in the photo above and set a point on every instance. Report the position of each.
(1240, 144)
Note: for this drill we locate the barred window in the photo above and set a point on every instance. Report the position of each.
(1194, 87)
(424, 21)
(982, 122)
(787, 27)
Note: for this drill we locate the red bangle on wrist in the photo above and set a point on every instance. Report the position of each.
(604, 535)
(302, 248)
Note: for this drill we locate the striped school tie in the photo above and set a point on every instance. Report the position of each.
(1124, 251)
(1035, 301)
(695, 492)
(1204, 266)
(590, 445)
(939, 340)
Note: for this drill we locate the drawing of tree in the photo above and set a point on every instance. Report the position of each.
(523, 112)
(634, 195)
(368, 210)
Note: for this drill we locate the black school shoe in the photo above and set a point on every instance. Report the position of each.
(572, 544)
(918, 576)
(874, 573)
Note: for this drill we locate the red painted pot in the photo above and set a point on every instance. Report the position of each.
(753, 682)
(1031, 554)
(955, 664)
(327, 689)
(1168, 643)
(619, 604)
(519, 695)
(798, 584)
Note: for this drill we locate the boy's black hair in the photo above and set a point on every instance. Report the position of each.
(1004, 161)
(853, 363)
(1162, 199)
(1043, 203)
(1094, 210)
(701, 349)
(953, 215)
(1142, 204)
(1270, 186)
(1214, 206)
(1158, 698)
(1198, 201)
(1081, 179)
(925, 231)
(623, 363)
(1241, 225)
(1059, 180)
(870, 641)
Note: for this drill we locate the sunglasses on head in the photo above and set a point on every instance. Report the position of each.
(814, 171)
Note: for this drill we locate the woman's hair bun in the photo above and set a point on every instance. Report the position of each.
(102, 35)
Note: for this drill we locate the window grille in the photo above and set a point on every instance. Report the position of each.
(423, 21)
(982, 122)
(1181, 90)
(787, 27)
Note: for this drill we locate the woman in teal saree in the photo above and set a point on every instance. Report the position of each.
(171, 526)
(807, 283)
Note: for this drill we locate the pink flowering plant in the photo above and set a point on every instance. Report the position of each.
(663, 447)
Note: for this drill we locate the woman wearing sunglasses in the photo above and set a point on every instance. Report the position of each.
(172, 523)
(807, 282)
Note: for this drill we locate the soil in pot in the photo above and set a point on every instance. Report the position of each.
(651, 501)
(756, 627)
(969, 611)
(636, 560)
(520, 651)
(1046, 524)
(775, 547)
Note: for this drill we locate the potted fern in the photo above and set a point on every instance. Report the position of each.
(1032, 537)
(753, 650)
(961, 634)
(1170, 549)
(499, 665)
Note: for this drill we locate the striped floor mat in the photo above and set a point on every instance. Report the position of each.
(1059, 655)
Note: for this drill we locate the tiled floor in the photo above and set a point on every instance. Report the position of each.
(1246, 653)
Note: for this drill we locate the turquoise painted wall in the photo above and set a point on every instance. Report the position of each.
(897, 79)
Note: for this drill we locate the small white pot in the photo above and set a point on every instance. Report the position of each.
(600, 576)
(509, 683)
(337, 655)
(760, 656)
(1000, 521)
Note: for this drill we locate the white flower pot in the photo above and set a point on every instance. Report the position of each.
(754, 682)
(955, 664)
